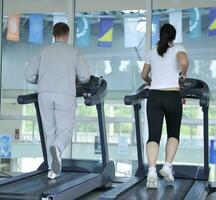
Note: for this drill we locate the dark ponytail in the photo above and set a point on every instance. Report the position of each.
(167, 35)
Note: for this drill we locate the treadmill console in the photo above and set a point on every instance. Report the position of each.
(90, 88)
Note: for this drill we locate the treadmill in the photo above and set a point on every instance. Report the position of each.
(191, 182)
(78, 177)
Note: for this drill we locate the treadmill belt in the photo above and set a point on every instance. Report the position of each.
(166, 191)
(39, 183)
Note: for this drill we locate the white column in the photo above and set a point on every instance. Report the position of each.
(1, 30)
(71, 21)
(148, 26)
(71, 40)
(148, 44)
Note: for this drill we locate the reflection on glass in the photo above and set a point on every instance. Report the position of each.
(120, 75)
(17, 120)
(121, 67)
(120, 64)
(201, 52)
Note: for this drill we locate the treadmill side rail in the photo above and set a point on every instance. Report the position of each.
(20, 177)
(73, 184)
(118, 191)
(197, 191)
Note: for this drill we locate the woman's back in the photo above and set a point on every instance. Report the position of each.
(165, 70)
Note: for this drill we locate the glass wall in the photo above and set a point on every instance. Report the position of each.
(118, 55)
(201, 52)
(111, 63)
(128, 62)
(19, 121)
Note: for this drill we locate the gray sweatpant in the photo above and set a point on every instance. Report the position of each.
(58, 117)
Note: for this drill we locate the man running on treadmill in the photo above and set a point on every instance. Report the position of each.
(164, 99)
(54, 70)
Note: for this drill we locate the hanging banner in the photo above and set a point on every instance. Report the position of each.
(83, 26)
(212, 22)
(36, 28)
(195, 23)
(131, 38)
(155, 29)
(13, 27)
(105, 36)
(175, 18)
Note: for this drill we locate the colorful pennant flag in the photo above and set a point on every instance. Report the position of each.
(155, 29)
(195, 23)
(175, 18)
(13, 27)
(212, 22)
(105, 32)
(36, 28)
(130, 32)
(83, 26)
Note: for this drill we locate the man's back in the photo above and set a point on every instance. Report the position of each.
(57, 71)
(55, 68)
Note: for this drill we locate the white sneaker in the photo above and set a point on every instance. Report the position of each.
(167, 173)
(152, 180)
(56, 159)
(52, 175)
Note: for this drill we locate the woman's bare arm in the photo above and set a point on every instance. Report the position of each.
(183, 62)
(145, 73)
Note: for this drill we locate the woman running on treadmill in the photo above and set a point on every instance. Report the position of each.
(54, 70)
(164, 63)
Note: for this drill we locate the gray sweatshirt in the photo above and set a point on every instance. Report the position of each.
(55, 68)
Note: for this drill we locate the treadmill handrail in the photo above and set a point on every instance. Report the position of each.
(142, 93)
(27, 98)
(90, 99)
(136, 98)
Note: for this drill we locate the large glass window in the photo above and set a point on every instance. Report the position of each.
(119, 59)
(118, 54)
(20, 121)
(201, 52)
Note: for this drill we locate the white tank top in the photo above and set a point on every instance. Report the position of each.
(164, 70)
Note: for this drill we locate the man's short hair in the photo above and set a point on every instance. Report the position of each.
(60, 29)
